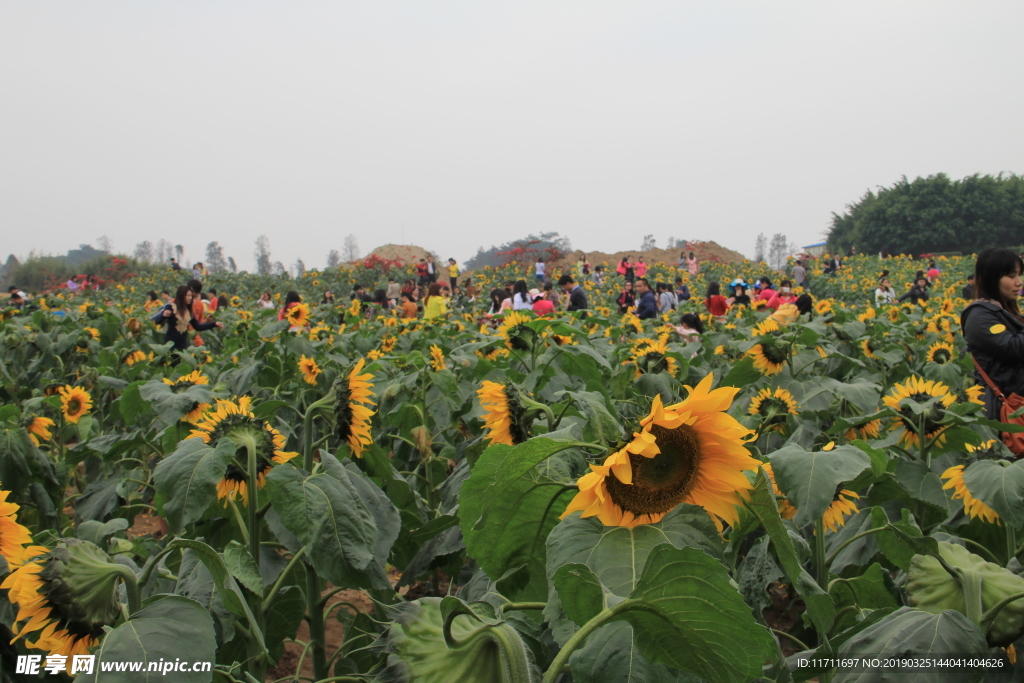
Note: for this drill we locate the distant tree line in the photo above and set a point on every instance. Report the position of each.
(548, 245)
(934, 215)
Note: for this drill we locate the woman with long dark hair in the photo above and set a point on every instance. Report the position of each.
(290, 300)
(521, 299)
(435, 304)
(994, 327)
(178, 318)
(715, 302)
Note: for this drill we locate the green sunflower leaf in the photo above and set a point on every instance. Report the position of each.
(580, 591)
(187, 479)
(686, 613)
(810, 478)
(170, 628)
(999, 485)
(170, 407)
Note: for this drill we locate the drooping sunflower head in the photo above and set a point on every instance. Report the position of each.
(182, 384)
(869, 348)
(66, 597)
(297, 315)
(842, 506)
(786, 509)
(92, 332)
(691, 452)
(773, 407)
(919, 391)
(39, 429)
(309, 369)
(507, 419)
(134, 357)
(940, 353)
(352, 410)
(972, 506)
(766, 326)
(769, 358)
(436, 358)
(652, 356)
(235, 421)
(518, 336)
(868, 430)
(75, 402)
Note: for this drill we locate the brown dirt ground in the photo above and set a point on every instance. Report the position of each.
(409, 253)
(704, 251)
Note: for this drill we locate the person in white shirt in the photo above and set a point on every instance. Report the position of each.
(885, 294)
(521, 299)
(539, 270)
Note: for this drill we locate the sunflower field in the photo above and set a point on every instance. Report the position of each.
(345, 495)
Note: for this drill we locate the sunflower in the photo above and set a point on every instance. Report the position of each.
(983, 446)
(309, 369)
(517, 335)
(651, 356)
(691, 452)
(352, 412)
(868, 348)
(75, 402)
(39, 428)
(974, 393)
(823, 307)
(356, 307)
(235, 301)
(297, 315)
(894, 314)
(500, 352)
(972, 506)
(13, 536)
(842, 505)
(773, 407)
(764, 327)
(92, 332)
(866, 431)
(629, 319)
(768, 358)
(235, 421)
(940, 353)
(918, 390)
(867, 315)
(135, 357)
(786, 509)
(436, 357)
(195, 413)
(506, 420)
(387, 344)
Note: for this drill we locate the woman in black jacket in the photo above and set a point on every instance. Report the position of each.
(177, 316)
(994, 327)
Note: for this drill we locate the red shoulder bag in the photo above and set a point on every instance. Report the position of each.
(1013, 440)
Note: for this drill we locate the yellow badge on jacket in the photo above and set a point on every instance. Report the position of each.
(996, 329)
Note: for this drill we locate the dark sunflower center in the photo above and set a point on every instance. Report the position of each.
(520, 425)
(74, 405)
(774, 408)
(932, 417)
(772, 353)
(662, 482)
(941, 356)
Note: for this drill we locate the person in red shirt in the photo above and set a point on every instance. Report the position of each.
(715, 302)
(767, 291)
(198, 307)
(541, 306)
(784, 296)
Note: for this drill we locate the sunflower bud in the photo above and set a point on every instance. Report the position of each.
(423, 440)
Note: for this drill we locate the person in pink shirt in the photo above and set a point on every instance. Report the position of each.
(641, 267)
(784, 296)
(766, 292)
(541, 306)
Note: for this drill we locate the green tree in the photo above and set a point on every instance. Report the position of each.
(934, 214)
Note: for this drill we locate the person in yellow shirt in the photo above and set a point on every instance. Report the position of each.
(789, 312)
(453, 273)
(435, 304)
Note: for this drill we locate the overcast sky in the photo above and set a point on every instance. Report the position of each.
(453, 125)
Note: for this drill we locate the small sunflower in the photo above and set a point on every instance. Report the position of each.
(39, 428)
(135, 357)
(652, 356)
(940, 353)
(972, 506)
(918, 390)
(436, 357)
(309, 369)
(766, 326)
(75, 402)
(92, 332)
(179, 385)
(387, 344)
(517, 335)
(234, 420)
(352, 412)
(974, 393)
(691, 452)
(507, 420)
(867, 315)
(823, 307)
(236, 301)
(842, 506)
(297, 315)
(786, 509)
(768, 358)
(866, 431)
(500, 352)
(629, 319)
(894, 314)
(773, 407)
(868, 347)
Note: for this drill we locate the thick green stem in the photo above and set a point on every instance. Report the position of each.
(577, 638)
(1011, 541)
(269, 599)
(258, 665)
(131, 585)
(820, 562)
(508, 606)
(314, 613)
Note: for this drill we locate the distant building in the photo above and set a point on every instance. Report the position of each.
(815, 250)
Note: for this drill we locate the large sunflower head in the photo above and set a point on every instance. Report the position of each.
(518, 336)
(75, 402)
(766, 326)
(940, 353)
(234, 421)
(66, 596)
(39, 429)
(507, 419)
(691, 452)
(352, 411)
(309, 369)
(297, 315)
(768, 357)
(919, 391)
(194, 378)
(13, 536)
(773, 407)
(972, 506)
